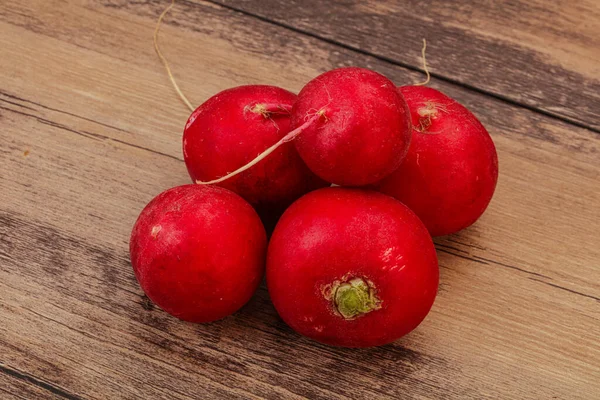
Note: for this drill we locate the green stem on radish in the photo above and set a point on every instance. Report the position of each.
(354, 298)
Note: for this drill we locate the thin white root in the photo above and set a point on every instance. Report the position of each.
(287, 138)
(424, 65)
(164, 60)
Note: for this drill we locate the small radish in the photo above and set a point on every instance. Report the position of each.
(449, 174)
(232, 128)
(363, 131)
(198, 252)
(349, 267)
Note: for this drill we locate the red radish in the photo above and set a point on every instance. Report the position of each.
(449, 174)
(232, 128)
(350, 267)
(198, 252)
(363, 131)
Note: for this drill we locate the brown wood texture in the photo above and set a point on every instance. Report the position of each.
(90, 131)
(538, 53)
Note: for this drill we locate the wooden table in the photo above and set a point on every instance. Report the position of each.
(90, 131)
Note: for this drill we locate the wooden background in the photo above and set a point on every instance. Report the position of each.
(90, 131)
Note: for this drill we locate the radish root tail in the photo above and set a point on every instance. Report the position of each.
(287, 138)
(425, 68)
(164, 60)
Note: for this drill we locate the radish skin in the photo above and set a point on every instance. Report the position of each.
(450, 172)
(365, 130)
(349, 267)
(231, 129)
(198, 252)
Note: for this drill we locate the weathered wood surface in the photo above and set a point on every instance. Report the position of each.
(90, 131)
(539, 53)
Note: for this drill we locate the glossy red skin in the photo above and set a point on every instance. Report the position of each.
(335, 232)
(198, 252)
(450, 172)
(364, 133)
(222, 135)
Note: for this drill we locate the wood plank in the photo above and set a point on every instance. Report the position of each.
(16, 385)
(517, 315)
(545, 55)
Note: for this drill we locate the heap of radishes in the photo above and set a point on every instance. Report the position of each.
(347, 266)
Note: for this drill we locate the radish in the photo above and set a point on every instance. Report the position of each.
(363, 131)
(232, 128)
(198, 252)
(349, 267)
(450, 172)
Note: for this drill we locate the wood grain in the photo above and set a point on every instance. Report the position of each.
(22, 386)
(82, 93)
(543, 55)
